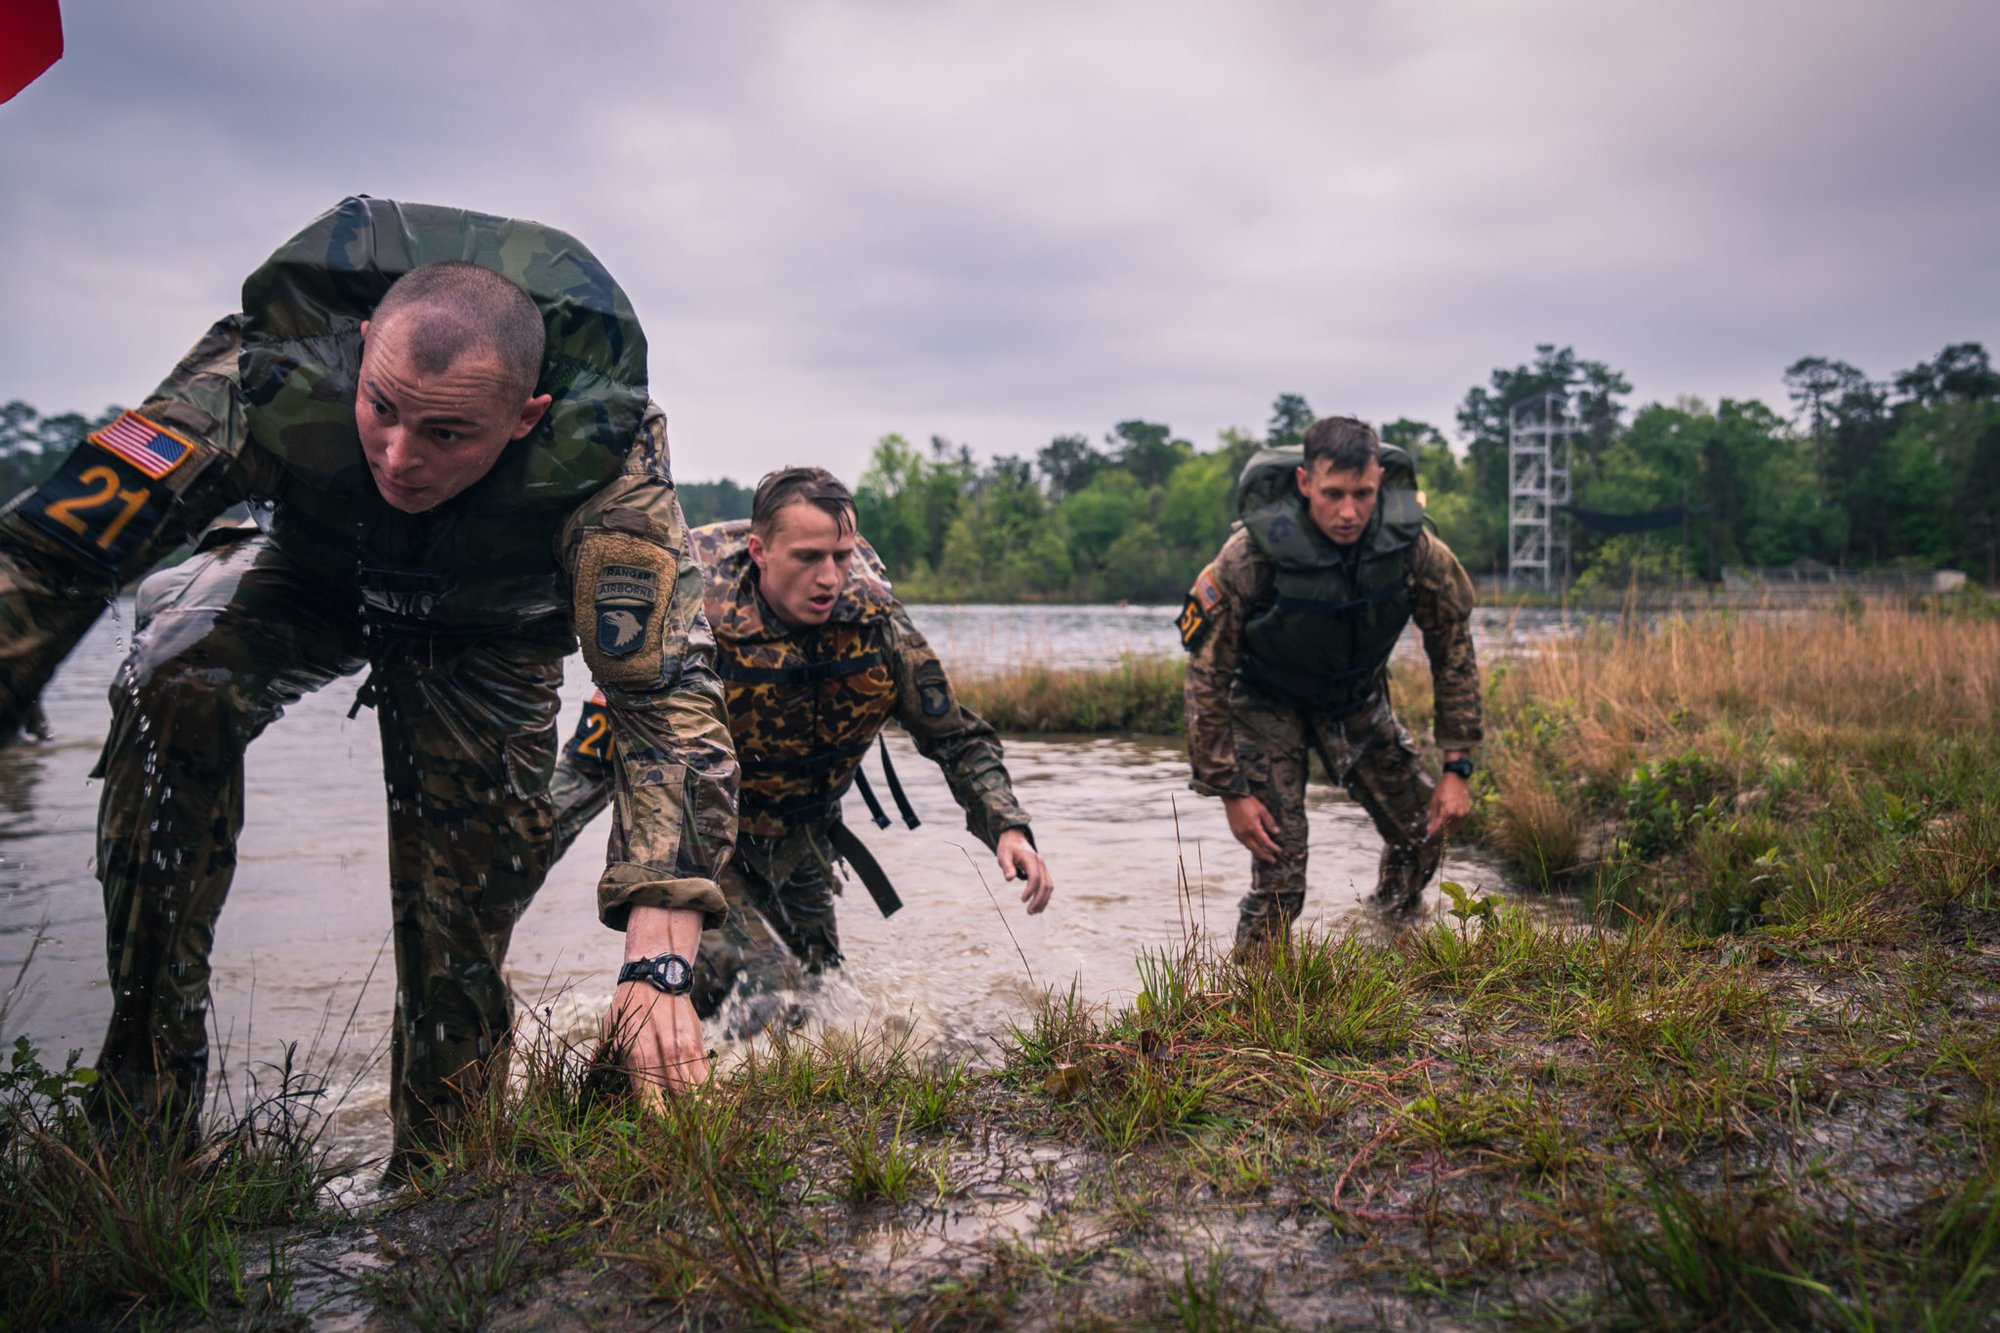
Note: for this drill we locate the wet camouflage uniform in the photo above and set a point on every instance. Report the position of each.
(1242, 741)
(463, 661)
(868, 664)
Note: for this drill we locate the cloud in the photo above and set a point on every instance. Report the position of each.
(1000, 222)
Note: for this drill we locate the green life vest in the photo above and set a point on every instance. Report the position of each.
(485, 558)
(1324, 640)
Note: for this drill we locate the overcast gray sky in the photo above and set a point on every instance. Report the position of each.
(1004, 221)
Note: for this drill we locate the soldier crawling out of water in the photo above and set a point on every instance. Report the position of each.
(443, 419)
(816, 656)
(1288, 632)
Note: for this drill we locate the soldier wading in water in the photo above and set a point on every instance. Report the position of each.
(1288, 632)
(442, 420)
(817, 656)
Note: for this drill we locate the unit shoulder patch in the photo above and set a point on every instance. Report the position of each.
(621, 606)
(626, 595)
(1194, 623)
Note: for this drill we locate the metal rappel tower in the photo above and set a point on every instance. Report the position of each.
(1539, 431)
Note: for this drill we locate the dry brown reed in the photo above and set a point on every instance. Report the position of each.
(1790, 679)
(1140, 695)
(1530, 825)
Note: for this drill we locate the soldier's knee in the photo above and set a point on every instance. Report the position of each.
(160, 678)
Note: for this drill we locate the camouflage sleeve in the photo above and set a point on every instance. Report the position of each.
(1211, 628)
(952, 736)
(1441, 600)
(638, 601)
(101, 520)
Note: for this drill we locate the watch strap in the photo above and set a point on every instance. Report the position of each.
(668, 972)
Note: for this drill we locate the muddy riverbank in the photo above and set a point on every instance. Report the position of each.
(1757, 1083)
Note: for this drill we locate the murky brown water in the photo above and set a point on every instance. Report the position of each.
(308, 917)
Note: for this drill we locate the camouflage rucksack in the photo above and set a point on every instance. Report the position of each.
(303, 307)
(487, 556)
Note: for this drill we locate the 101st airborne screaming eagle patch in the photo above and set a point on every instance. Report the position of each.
(623, 586)
(626, 595)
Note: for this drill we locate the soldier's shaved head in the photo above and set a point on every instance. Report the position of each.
(442, 311)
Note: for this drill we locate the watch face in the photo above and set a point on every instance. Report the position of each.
(672, 973)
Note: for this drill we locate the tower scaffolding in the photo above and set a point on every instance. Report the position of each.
(1539, 431)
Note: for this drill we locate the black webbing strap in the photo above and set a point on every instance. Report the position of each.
(365, 697)
(1318, 608)
(810, 673)
(851, 850)
(868, 799)
(909, 815)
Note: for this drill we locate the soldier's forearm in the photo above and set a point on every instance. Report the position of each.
(651, 931)
(40, 621)
(981, 786)
(1456, 709)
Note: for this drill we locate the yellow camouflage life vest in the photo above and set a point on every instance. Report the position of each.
(804, 706)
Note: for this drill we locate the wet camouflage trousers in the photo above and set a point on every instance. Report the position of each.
(468, 741)
(775, 936)
(1370, 755)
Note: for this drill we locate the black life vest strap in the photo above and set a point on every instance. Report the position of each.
(808, 763)
(868, 799)
(1347, 608)
(807, 809)
(851, 850)
(903, 808)
(809, 674)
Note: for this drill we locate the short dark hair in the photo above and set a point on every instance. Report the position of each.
(1348, 443)
(449, 308)
(800, 485)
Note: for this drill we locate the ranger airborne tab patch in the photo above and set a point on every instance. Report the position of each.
(626, 595)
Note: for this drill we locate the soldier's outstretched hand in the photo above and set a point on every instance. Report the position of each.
(1019, 860)
(1450, 804)
(657, 1035)
(1253, 826)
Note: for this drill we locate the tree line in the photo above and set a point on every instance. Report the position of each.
(1861, 473)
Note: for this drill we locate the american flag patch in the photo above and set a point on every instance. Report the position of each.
(152, 449)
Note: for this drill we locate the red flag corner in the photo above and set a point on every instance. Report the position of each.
(30, 41)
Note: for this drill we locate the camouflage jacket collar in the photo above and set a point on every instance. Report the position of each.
(738, 612)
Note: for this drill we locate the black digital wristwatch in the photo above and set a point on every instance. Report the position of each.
(1462, 767)
(668, 972)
